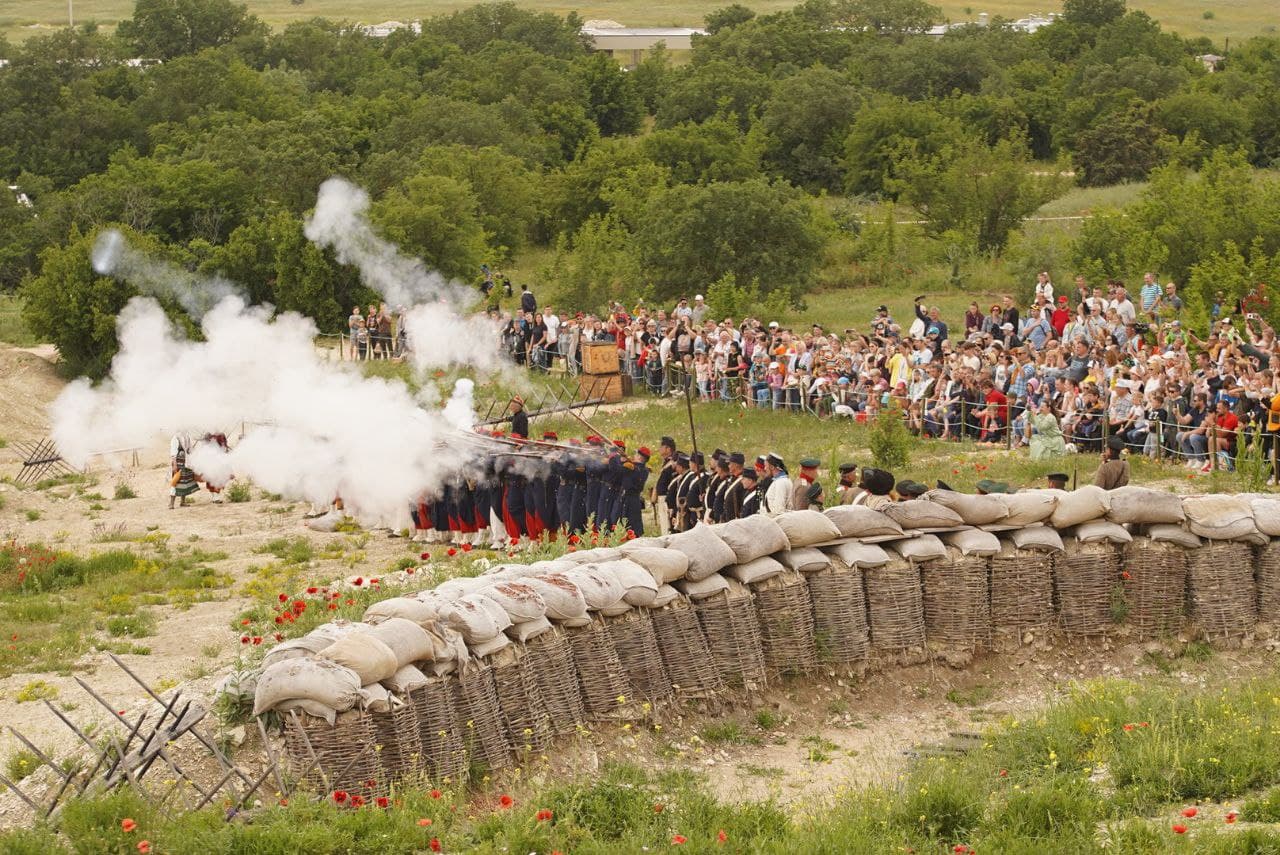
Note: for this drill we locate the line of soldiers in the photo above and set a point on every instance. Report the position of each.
(547, 490)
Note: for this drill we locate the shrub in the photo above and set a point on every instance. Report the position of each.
(124, 491)
(1264, 808)
(239, 492)
(21, 764)
(889, 440)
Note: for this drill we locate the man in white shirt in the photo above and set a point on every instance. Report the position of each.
(1044, 288)
(1123, 306)
(552, 321)
(777, 500)
(699, 310)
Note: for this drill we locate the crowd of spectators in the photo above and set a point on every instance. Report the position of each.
(1065, 371)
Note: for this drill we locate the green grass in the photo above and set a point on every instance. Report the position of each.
(1069, 778)
(13, 329)
(1231, 18)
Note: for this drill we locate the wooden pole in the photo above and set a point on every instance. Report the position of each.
(688, 405)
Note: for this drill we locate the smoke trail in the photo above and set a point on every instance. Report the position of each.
(440, 335)
(112, 256)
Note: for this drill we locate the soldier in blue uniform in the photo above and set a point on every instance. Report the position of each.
(636, 473)
(752, 497)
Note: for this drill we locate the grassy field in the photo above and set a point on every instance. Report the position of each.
(1234, 19)
(13, 329)
(1113, 767)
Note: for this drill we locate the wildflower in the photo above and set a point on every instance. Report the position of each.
(435, 794)
(244, 622)
(257, 639)
(1143, 724)
(466, 547)
(339, 796)
(1179, 829)
(127, 825)
(679, 839)
(284, 803)
(515, 541)
(435, 844)
(279, 636)
(506, 801)
(573, 538)
(1128, 727)
(333, 607)
(426, 556)
(279, 620)
(382, 801)
(312, 589)
(961, 849)
(373, 581)
(721, 837)
(451, 552)
(1004, 773)
(244, 639)
(1189, 812)
(284, 598)
(299, 606)
(359, 581)
(572, 549)
(658, 808)
(144, 846)
(357, 801)
(424, 822)
(631, 535)
(1231, 817)
(543, 815)
(1125, 575)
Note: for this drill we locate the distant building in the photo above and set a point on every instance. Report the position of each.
(1211, 61)
(632, 42)
(386, 28)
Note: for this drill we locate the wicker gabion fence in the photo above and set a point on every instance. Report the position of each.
(477, 671)
(1154, 576)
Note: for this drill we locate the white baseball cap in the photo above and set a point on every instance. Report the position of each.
(697, 296)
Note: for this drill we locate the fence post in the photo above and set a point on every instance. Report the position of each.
(1213, 448)
(964, 419)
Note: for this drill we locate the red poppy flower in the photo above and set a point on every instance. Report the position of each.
(573, 538)
(961, 849)
(350, 602)
(631, 535)
(257, 639)
(299, 606)
(1231, 817)
(244, 622)
(244, 639)
(339, 796)
(279, 620)
(1004, 773)
(466, 547)
(658, 808)
(1128, 727)
(371, 783)
(435, 844)
(435, 794)
(426, 556)
(424, 822)
(451, 552)
(1179, 829)
(127, 825)
(144, 846)
(359, 581)
(1143, 724)
(312, 590)
(373, 581)
(409, 570)
(506, 801)
(572, 549)
(721, 837)
(357, 801)
(543, 815)
(1125, 575)
(284, 803)
(679, 839)
(279, 636)
(515, 541)
(333, 607)
(1189, 812)
(284, 598)
(382, 801)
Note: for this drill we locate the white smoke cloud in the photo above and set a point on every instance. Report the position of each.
(439, 333)
(112, 256)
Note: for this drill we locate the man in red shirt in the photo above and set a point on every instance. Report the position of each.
(995, 415)
(1060, 317)
(1226, 425)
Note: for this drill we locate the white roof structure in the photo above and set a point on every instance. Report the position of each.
(610, 35)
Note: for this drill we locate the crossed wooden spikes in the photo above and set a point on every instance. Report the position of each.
(118, 762)
(39, 460)
(552, 401)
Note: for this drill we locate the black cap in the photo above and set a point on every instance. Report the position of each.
(814, 492)
(751, 474)
(774, 460)
(878, 482)
(911, 488)
(738, 457)
(882, 308)
(682, 459)
(943, 485)
(717, 454)
(698, 457)
(1115, 443)
(1057, 476)
(668, 442)
(810, 463)
(846, 468)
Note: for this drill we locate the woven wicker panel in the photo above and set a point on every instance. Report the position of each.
(1267, 567)
(957, 609)
(1223, 595)
(839, 614)
(438, 730)
(895, 606)
(1021, 590)
(475, 700)
(1155, 585)
(600, 673)
(399, 745)
(1084, 580)
(728, 621)
(785, 613)
(348, 759)
(551, 661)
(524, 715)
(637, 645)
(685, 652)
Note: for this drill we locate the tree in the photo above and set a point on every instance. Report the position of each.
(652, 76)
(612, 100)
(898, 18)
(691, 236)
(476, 26)
(596, 266)
(715, 150)
(889, 134)
(1215, 121)
(164, 29)
(1093, 13)
(1117, 147)
(434, 217)
(726, 17)
(805, 123)
(713, 88)
(982, 193)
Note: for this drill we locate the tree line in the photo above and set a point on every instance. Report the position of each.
(497, 130)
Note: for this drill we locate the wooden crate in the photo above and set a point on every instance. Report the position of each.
(599, 357)
(607, 386)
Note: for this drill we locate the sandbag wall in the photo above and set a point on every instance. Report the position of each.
(479, 671)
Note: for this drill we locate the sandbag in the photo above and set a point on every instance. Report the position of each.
(319, 680)
(707, 553)
(406, 679)
(1099, 530)
(755, 571)
(703, 588)
(638, 583)
(1134, 505)
(369, 657)
(563, 598)
(522, 632)
(973, 509)
(600, 589)
(659, 542)
(807, 559)
(451, 589)
(591, 556)
(752, 537)
(1266, 515)
(665, 565)
(537, 568)
(917, 513)
(476, 617)
(1077, 506)
(924, 547)
(859, 521)
(493, 645)
(861, 555)
(621, 607)
(375, 698)
(1027, 507)
(666, 596)
(520, 601)
(408, 641)
(295, 648)
(310, 707)
(1176, 534)
(408, 608)
(805, 528)
(1039, 537)
(973, 541)
(1219, 517)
